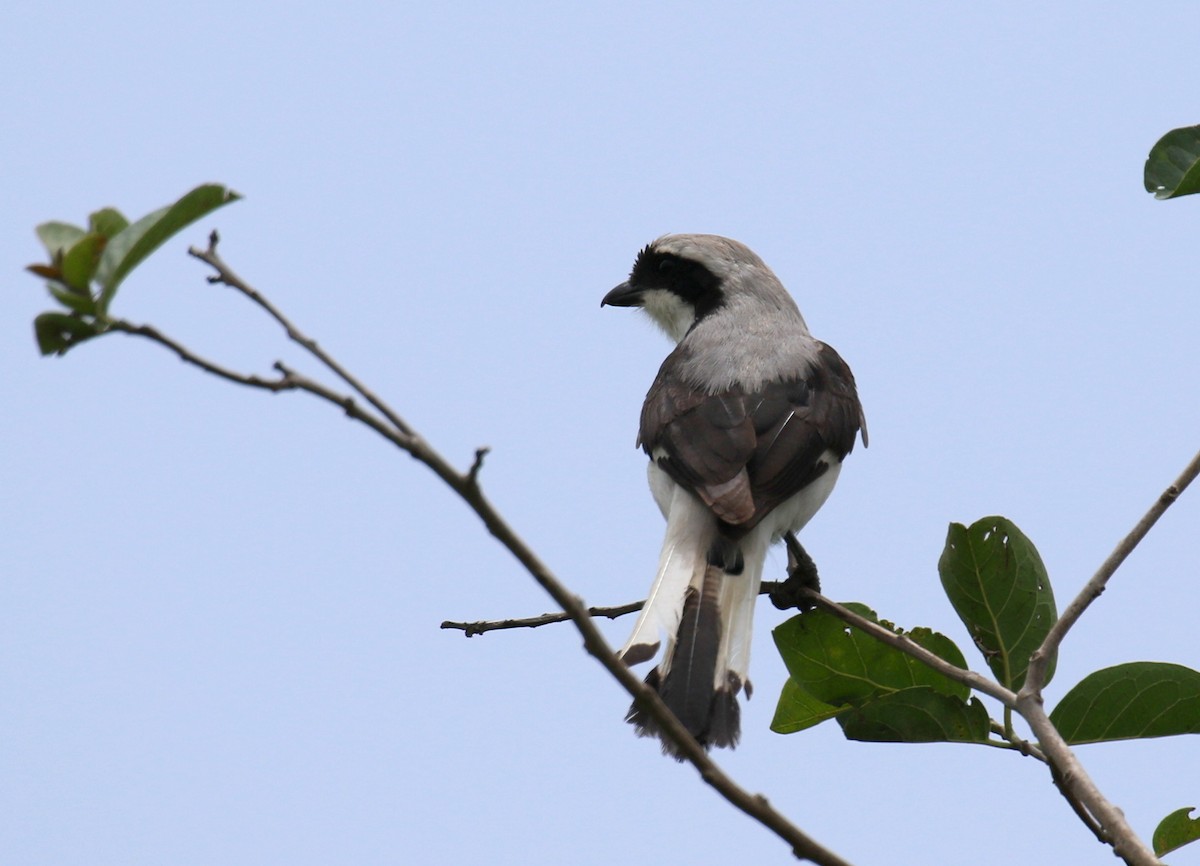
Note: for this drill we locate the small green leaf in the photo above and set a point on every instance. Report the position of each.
(1175, 831)
(797, 710)
(57, 332)
(132, 245)
(917, 715)
(1130, 701)
(839, 665)
(998, 586)
(56, 236)
(80, 261)
(74, 301)
(1173, 167)
(108, 222)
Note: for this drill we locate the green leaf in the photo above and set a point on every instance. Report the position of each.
(1130, 701)
(79, 303)
(797, 710)
(56, 236)
(875, 691)
(917, 715)
(58, 332)
(108, 222)
(80, 261)
(1175, 831)
(1173, 167)
(998, 586)
(838, 665)
(131, 246)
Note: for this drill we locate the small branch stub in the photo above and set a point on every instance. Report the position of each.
(473, 472)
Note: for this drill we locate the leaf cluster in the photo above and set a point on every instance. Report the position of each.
(996, 582)
(87, 265)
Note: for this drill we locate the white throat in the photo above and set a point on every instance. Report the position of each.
(670, 312)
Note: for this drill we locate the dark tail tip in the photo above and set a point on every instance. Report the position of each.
(720, 725)
(689, 687)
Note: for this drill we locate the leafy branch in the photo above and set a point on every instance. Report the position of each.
(60, 332)
(877, 681)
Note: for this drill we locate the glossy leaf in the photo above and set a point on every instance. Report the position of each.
(1173, 166)
(874, 691)
(1175, 831)
(839, 665)
(58, 332)
(57, 237)
(797, 710)
(1130, 701)
(998, 586)
(917, 715)
(131, 246)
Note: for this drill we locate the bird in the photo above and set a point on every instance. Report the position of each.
(746, 426)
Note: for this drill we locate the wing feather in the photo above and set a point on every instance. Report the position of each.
(745, 453)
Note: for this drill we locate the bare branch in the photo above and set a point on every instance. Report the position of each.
(190, 357)
(1107, 821)
(754, 805)
(466, 485)
(1102, 817)
(1078, 807)
(1040, 660)
(470, 629)
(225, 275)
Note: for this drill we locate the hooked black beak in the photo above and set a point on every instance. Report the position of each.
(624, 295)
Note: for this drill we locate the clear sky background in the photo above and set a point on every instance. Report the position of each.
(219, 609)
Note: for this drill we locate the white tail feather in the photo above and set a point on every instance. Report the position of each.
(690, 531)
(739, 594)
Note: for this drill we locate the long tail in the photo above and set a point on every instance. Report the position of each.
(703, 601)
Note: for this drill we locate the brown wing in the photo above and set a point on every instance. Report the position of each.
(745, 453)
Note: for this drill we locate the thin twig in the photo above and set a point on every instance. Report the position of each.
(225, 275)
(1012, 741)
(473, 472)
(1039, 661)
(186, 355)
(470, 629)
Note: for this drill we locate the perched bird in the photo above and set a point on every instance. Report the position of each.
(746, 426)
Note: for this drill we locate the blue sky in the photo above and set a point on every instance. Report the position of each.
(219, 609)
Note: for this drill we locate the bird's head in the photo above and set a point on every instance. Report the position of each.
(680, 279)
